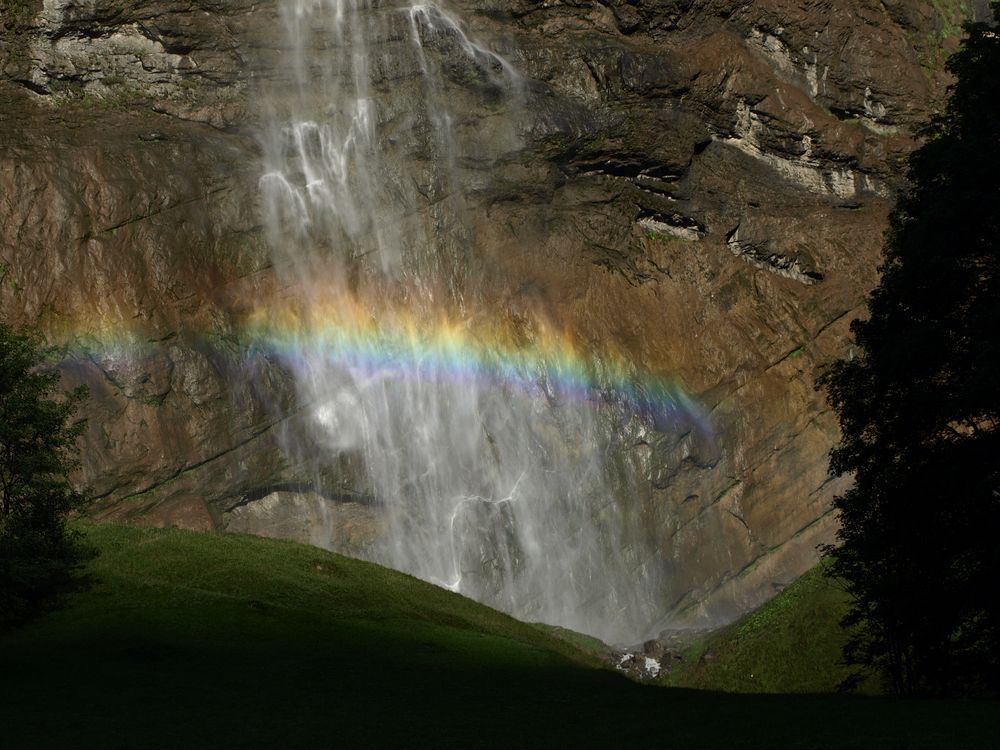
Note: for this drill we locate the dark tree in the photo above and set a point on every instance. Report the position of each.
(37, 452)
(919, 404)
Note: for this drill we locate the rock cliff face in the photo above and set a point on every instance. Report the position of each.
(701, 186)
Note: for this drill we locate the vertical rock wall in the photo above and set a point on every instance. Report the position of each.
(702, 187)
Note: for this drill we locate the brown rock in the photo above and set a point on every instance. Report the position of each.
(700, 186)
(179, 513)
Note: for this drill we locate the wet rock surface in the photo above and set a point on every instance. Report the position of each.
(343, 524)
(701, 186)
(655, 657)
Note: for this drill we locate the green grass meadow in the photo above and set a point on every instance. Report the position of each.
(192, 640)
(792, 644)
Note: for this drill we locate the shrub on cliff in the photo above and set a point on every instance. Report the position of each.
(919, 408)
(37, 453)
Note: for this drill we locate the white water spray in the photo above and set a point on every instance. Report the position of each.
(484, 486)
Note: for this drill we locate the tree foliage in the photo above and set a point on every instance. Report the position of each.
(919, 545)
(37, 453)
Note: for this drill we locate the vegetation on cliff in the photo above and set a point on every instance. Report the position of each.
(37, 453)
(920, 411)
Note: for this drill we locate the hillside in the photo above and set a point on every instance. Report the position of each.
(791, 644)
(200, 640)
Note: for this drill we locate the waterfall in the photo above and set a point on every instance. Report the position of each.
(483, 448)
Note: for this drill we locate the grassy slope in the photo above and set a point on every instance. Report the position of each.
(790, 645)
(193, 640)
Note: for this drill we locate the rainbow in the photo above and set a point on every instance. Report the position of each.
(535, 359)
(541, 361)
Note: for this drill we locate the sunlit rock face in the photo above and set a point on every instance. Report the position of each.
(525, 298)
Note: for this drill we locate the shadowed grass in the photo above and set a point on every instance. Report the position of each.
(198, 640)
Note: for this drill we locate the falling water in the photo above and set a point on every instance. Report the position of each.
(488, 468)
